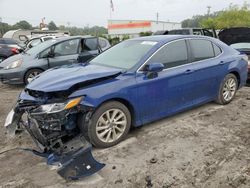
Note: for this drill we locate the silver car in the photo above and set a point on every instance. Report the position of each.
(22, 68)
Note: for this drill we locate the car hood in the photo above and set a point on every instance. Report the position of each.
(235, 35)
(66, 77)
(23, 57)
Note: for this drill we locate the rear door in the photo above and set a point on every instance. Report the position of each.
(208, 69)
(66, 53)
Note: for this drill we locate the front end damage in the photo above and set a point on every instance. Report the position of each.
(53, 125)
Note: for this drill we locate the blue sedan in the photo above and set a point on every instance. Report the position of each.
(133, 83)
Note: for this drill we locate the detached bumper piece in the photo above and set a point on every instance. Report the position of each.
(78, 165)
(76, 161)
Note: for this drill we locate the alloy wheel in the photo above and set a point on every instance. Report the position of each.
(32, 76)
(229, 89)
(111, 125)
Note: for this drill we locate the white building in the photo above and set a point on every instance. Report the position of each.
(133, 28)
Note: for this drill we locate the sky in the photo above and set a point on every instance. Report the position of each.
(82, 13)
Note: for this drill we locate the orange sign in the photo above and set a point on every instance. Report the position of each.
(129, 25)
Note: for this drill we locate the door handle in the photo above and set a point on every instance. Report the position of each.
(189, 71)
(222, 62)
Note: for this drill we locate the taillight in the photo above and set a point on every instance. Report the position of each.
(15, 50)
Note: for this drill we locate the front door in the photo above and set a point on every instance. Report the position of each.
(170, 90)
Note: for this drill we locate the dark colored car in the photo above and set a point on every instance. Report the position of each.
(22, 68)
(188, 31)
(239, 39)
(133, 83)
(10, 43)
(6, 51)
(9, 47)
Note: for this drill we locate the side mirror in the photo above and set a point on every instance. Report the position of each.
(154, 67)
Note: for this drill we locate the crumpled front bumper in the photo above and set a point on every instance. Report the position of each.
(73, 159)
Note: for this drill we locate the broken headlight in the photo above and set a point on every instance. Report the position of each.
(57, 107)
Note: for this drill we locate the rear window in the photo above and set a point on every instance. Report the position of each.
(91, 44)
(217, 50)
(202, 49)
(103, 43)
(7, 41)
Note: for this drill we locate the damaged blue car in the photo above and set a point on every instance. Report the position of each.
(133, 83)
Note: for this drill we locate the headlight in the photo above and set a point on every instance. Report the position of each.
(14, 64)
(57, 107)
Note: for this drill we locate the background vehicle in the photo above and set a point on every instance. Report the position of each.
(22, 35)
(38, 40)
(10, 43)
(9, 47)
(133, 83)
(24, 67)
(6, 51)
(239, 39)
(189, 31)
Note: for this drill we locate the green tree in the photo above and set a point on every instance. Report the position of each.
(4, 27)
(52, 26)
(22, 25)
(94, 31)
(148, 33)
(234, 16)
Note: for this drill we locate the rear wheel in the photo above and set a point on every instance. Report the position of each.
(109, 124)
(228, 89)
(31, 74)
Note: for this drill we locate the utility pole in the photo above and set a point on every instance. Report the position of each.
(208, 10)
(157, 17)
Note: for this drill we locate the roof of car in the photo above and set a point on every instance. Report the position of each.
(166, 38)
(72, 37)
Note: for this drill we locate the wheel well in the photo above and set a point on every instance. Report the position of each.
(127, 104)
(31, 69)
(235, 73)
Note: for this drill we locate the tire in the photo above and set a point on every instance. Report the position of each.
(113, 131)
(31, 74)
(228, 89)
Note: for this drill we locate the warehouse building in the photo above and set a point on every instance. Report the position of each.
(133, 28)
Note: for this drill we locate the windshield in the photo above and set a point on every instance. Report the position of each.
(124, 55)
(39, 48)
(241, 45)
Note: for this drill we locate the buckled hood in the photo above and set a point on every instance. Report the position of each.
(63, 78)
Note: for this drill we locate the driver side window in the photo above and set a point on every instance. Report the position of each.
(44, 54)
(68, 47)
(172, 55)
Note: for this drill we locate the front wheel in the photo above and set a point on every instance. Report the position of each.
(228, 89)
(31, 74)
(109, 124)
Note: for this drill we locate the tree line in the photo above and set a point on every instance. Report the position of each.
(95, 30)
(233, 16)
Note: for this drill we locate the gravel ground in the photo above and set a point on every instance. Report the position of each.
(208, 146)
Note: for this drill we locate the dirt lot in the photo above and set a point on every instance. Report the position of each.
(208, 146)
